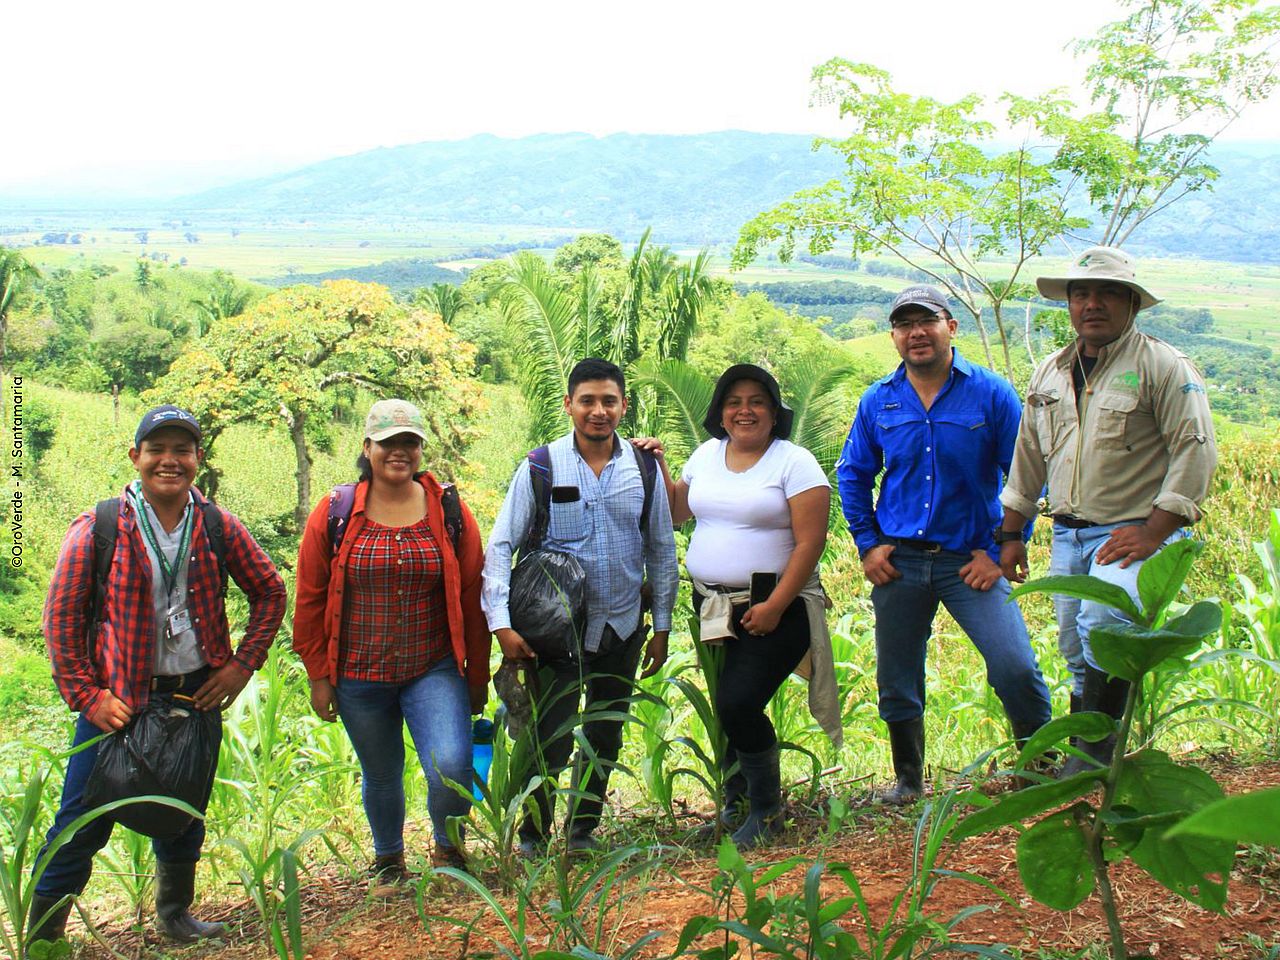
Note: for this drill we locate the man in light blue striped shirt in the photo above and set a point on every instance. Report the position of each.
(595, 512)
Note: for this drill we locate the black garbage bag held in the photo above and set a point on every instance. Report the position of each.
(168, 749)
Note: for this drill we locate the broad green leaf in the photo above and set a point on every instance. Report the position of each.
(1162, 575)
(1031, 802)
(1083, 588)
(1091, 726)
(1054, 863)
(1131, 651)
(1192, 866)
(1247, 818)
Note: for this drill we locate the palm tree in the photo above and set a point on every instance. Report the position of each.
(15, 270)
(224, 300)
(445, 299)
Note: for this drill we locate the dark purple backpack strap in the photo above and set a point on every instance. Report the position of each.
(540, 478)
(341, 500)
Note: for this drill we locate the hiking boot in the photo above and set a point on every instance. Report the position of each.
(53, 927)
(449, 856)
(532, 848)
(388, 876)
(582, 843)
(764, 794)
(1101, 695)
(906, 741)
(175, 889)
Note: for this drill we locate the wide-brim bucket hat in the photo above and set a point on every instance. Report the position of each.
(1099, 263)
(783, 415)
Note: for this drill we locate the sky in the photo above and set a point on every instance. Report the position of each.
(163, 98)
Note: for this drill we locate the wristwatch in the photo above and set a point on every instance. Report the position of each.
(1006, 536)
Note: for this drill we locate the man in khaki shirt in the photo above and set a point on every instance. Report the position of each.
(1117, 425)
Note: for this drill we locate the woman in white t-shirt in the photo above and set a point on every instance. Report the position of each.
(761, 505)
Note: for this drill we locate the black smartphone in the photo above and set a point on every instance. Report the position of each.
(762, 585)
(565, 495)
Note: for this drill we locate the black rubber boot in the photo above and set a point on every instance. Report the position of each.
(54, 926)
(906, 740)
(734, 806)
(764, 795)
(175, 889)
(1101, 695)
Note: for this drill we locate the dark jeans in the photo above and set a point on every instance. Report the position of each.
(68, 870)
(904, 619)
(754, 669)
(607, 680)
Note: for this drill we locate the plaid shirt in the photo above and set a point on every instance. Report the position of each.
(120, 659)
(394, 624)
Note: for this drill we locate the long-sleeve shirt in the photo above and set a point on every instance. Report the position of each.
(122, 656)
(602, 530)
(321, 584)
(1141, 437)
(942, 467)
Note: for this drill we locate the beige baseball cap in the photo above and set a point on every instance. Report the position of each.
(1098, 263)
(390, 417)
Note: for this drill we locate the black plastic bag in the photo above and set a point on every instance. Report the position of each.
(168, 749)
(548, 603)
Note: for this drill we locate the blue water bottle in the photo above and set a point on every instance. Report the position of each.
(481, 752)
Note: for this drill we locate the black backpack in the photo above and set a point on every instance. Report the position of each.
(105, 515)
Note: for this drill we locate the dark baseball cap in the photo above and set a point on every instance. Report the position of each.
(921, 295)
(166, 416)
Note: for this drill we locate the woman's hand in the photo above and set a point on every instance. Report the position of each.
(324, 700)
(761, 618)
(652, 444)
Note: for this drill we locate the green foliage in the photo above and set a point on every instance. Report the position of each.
(1066, 853)
(134, 354)
(1168, 78)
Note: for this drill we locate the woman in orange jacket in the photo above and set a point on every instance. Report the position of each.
(387, 621)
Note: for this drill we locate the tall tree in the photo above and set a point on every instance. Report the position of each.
(15, 270)
(1169, 78)
(918, 185)
(279, 362)
(224, 298)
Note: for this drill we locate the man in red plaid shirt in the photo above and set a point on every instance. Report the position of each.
(163, 632)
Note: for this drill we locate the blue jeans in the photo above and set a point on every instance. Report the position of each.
(904, 619)
(1073, 553)
(437, 709)
(68, 870)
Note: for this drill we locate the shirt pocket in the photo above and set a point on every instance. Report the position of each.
(901, 437)
(1047, 411)
(1115, 410)
(569, 522)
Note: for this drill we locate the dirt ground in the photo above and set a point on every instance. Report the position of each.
(341, 923)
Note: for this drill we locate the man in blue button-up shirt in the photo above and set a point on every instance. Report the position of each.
(940, 433)
(595, 511)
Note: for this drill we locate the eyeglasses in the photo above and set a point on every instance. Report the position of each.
(902, 323)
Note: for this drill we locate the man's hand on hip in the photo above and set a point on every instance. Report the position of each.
(513, 645)
(876, 565)
(1129, 544)
(1013, 561)
(980, 573)
(223, 686)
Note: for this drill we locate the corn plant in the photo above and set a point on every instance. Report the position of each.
(583, 920)
(710, 771)
(271, 881)
(1067, 853)
(20, 866)
(806, 925)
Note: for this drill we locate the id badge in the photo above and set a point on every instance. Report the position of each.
(179, 622)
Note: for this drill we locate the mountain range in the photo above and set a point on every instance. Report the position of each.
(696, 189)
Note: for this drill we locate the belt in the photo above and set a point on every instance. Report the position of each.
(1075, 523)
(927, 546)
(177, 681)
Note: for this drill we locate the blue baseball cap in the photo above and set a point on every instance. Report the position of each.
(166, 416)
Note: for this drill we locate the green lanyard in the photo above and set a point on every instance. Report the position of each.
(168, 570)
